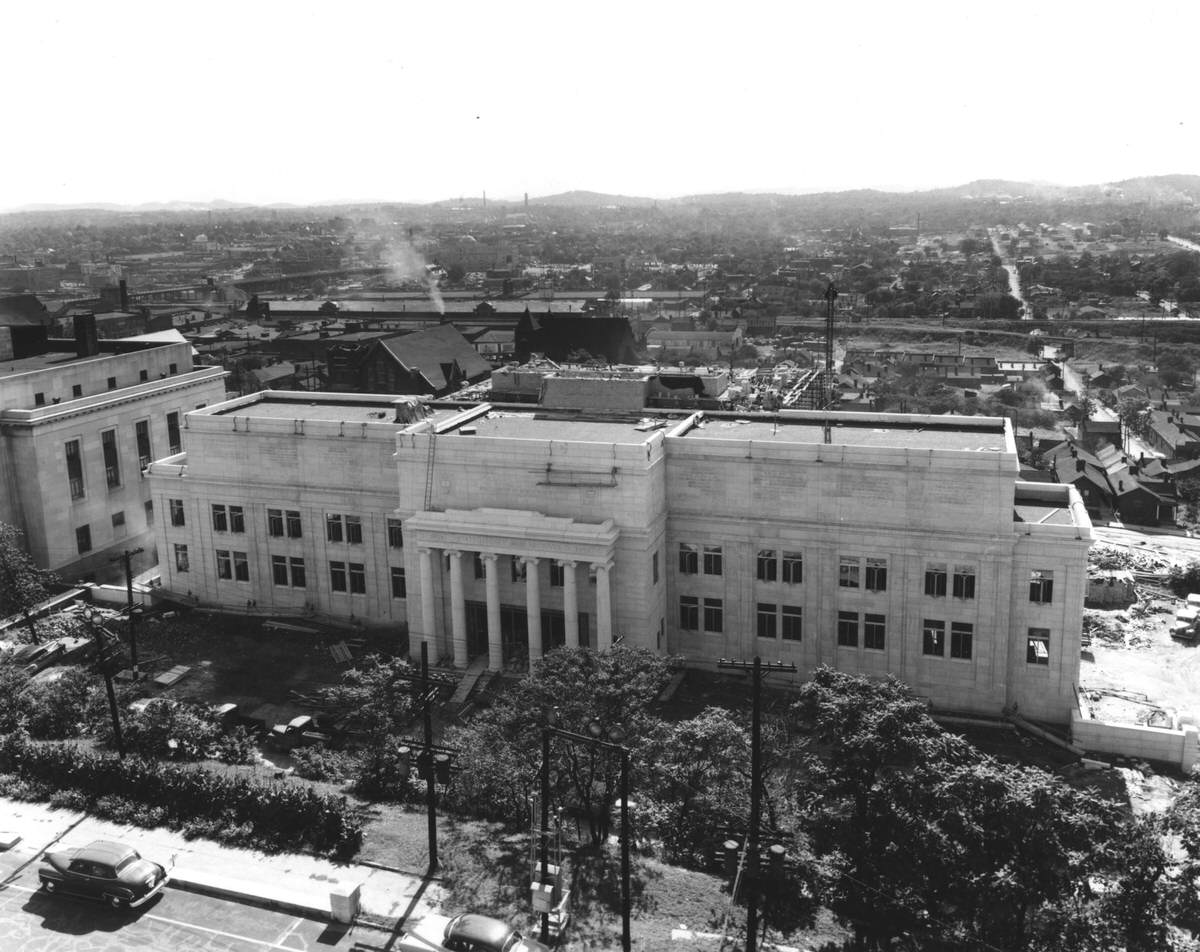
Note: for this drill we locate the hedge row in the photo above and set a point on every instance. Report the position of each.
(276, 815)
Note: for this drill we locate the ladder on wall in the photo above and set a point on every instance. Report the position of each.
(429, 470)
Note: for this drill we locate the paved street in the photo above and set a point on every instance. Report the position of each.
(31, 921)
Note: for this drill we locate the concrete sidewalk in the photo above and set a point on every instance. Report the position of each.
(305, 885)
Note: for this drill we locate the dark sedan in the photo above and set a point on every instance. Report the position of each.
(103, 870)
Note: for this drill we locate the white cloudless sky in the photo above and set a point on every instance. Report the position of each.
(264, 101)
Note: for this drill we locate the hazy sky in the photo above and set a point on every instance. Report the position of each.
(263, 101)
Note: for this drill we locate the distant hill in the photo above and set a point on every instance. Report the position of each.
(593, 199)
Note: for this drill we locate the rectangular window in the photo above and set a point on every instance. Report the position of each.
(935, 579)
(241, 567)
(1041, 586)
(279, 570)
(768, 565)
(399, 585)
(83, 539)
(293, 524)
(358, 579)
(557, 575)
(874, 631)
(224, 564)
(177, 516)
(847, 632)
(149, 507)
(174, 442)
(77, 391)
(653, 568)
(793, 617)
(964, 581)
(220, 518)
(354, 530)
(934, 637)
(298, 578)
(275, 522)
(689, 559)
(962, 635)
(766, 620)
(517, 569)
(848, 572)
(714, 615)
(793, 568)
(876, 575)
(112, 383)
(337, 576)
(712, 560)
(181, 558)
(145, 454)
(74, 469)
(395, 530)
(118, 523)
(112, 465)
(1037, 649)
(173, 368)
(689, 612)
(143, 375)
(39, 399)
(333, 528)
(237, 519)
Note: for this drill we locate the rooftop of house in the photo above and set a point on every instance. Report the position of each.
(978, 434)
(330, 408)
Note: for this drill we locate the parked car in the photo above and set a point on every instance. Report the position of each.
(105, 870)
(302, 731)
(34, 658)
(470, 932)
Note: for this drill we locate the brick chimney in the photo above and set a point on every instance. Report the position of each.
(87, 342)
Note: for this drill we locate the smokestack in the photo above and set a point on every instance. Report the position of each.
(526, 201)
(124, 294)
(87, 342)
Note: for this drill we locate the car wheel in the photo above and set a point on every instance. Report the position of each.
(49, 885)
(117, 903)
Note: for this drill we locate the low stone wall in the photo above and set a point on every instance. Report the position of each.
(1181, 747)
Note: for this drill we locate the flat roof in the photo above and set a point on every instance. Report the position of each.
(842, 433)
(379, 410)
(551, 426)
(1042, 514)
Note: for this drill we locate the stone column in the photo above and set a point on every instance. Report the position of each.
(533, 606)
(428, 603)
(458, 609)
(604, 634)
(570, 603)
(492, 581)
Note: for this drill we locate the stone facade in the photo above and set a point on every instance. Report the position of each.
(902, 545)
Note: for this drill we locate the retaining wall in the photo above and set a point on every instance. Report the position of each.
(1181, 747)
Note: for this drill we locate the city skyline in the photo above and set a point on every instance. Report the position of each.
(267, 104)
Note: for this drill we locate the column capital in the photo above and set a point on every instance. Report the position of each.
(567, 563)
(605, 565)
(489, 556)
(425, 550)
(530, 559)
(453, 553)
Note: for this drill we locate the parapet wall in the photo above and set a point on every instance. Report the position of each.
(1180, 747)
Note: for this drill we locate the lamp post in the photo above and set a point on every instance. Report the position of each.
(103, 661)
(595, 730)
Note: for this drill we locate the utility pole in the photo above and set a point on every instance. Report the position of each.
(425, 693)
(126, 557)
(757, 670)
(104, 658)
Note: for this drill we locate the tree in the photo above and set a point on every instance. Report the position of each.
(920, 835)
(1134, 415)
(570, 689)
(22, 584)
(1174, 368)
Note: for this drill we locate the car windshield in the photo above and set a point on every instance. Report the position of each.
(127, 861)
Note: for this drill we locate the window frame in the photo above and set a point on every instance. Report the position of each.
(962, 640)
(111, 453)
(791, 622)
(395, 533)
(76, 484)
(220, 518)
(182, 562)
(847, 629)
(792, 567)
(849, 572)
(237, 519)
(689, 613)
(689, 558)
(293, 520)
(334, 528)
(767, 567)
(357, 574)
(1035, 636)
(337, 577)
(274, 523)
(83, 538)
(279, 571)
(241, 567)
(399, 582)
(935, 579)
(224, 564)
(933, 638)
(874, 630)
(714, 615)
(875, 574)
(354, 530)
(714, 560)
(964, 582)
(767, 620)
(1041, 586)
(178, 512)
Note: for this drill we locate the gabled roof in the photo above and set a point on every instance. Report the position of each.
(425, 352)
(22, 310)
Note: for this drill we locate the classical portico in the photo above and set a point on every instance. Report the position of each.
(510, 550)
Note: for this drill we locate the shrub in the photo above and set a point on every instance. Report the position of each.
(317, 763)
(237, 746)
(1183, 580)
(57, 708)
(166, 729)
(188, 797)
